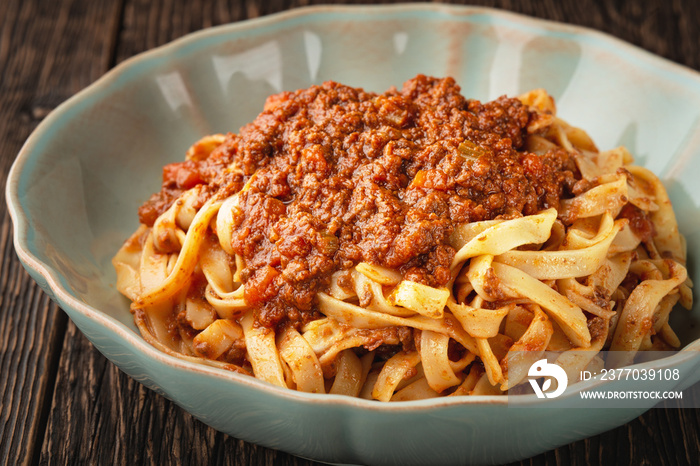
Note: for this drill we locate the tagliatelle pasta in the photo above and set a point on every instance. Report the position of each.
(404, 245)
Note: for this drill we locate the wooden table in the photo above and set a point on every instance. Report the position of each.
(62, 401)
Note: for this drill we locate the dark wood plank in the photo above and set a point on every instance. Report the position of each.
(31, 330)
(41, 66)
(100, 416)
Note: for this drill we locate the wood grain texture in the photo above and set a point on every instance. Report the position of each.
(62, 401)
(48, 52)
(30, 329)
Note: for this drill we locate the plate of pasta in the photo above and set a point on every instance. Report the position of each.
(306, 255)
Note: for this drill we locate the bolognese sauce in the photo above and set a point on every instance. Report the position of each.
(336, 175)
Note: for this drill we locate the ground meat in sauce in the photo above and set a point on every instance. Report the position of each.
(640, 223)
(343, 176)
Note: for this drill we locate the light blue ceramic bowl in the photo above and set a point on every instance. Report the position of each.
(75, 187)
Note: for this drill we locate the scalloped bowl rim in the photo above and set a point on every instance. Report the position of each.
(65, 299)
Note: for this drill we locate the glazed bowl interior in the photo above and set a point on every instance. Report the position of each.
(76, 185)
